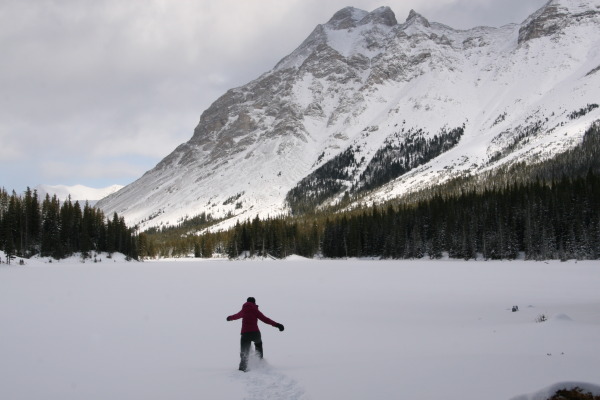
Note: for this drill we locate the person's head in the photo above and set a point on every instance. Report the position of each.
(251, 300)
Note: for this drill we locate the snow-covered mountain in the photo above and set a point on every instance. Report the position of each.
(77, 192)
(366, 102)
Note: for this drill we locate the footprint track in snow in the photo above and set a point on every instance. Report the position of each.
(263, 382)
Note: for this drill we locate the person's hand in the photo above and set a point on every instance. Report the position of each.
(280, 327)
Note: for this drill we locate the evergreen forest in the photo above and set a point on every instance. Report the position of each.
(29, 227)
(537, 221)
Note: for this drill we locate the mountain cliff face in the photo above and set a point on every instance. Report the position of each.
(370, 105)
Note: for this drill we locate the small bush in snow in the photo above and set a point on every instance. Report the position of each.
(541, 318)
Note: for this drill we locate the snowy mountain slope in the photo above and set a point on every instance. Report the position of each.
(363, 81)
(77, 192)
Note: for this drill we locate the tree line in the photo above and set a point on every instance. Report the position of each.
(558, 220)
(50, 228)
(276, 237)
(537, 221)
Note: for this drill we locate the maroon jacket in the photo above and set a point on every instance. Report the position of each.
(250, 316)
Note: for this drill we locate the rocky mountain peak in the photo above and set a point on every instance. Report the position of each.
(414, 18)
(350, 17)
(382, 15)
(346, 18)
(555, 16)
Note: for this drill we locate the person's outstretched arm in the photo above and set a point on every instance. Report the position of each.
(235, 316)
(269, 321)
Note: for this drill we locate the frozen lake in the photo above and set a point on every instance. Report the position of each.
(353, 329)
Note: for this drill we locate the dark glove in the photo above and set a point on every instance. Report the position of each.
(280, 327)
(228, 318)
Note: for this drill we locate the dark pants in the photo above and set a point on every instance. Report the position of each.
(245, 342)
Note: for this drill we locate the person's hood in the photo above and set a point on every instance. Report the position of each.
(248, 305)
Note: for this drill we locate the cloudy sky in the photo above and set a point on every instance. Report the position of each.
(96, 92)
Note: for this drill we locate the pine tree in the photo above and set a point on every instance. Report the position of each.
(51, 227)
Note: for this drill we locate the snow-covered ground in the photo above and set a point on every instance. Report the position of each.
(353, 329)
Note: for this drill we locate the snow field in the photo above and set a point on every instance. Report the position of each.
(354, 329)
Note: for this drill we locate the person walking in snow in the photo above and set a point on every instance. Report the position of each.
(250, 332)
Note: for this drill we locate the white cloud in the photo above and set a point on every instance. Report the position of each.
(55, 171)
(11, 147)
